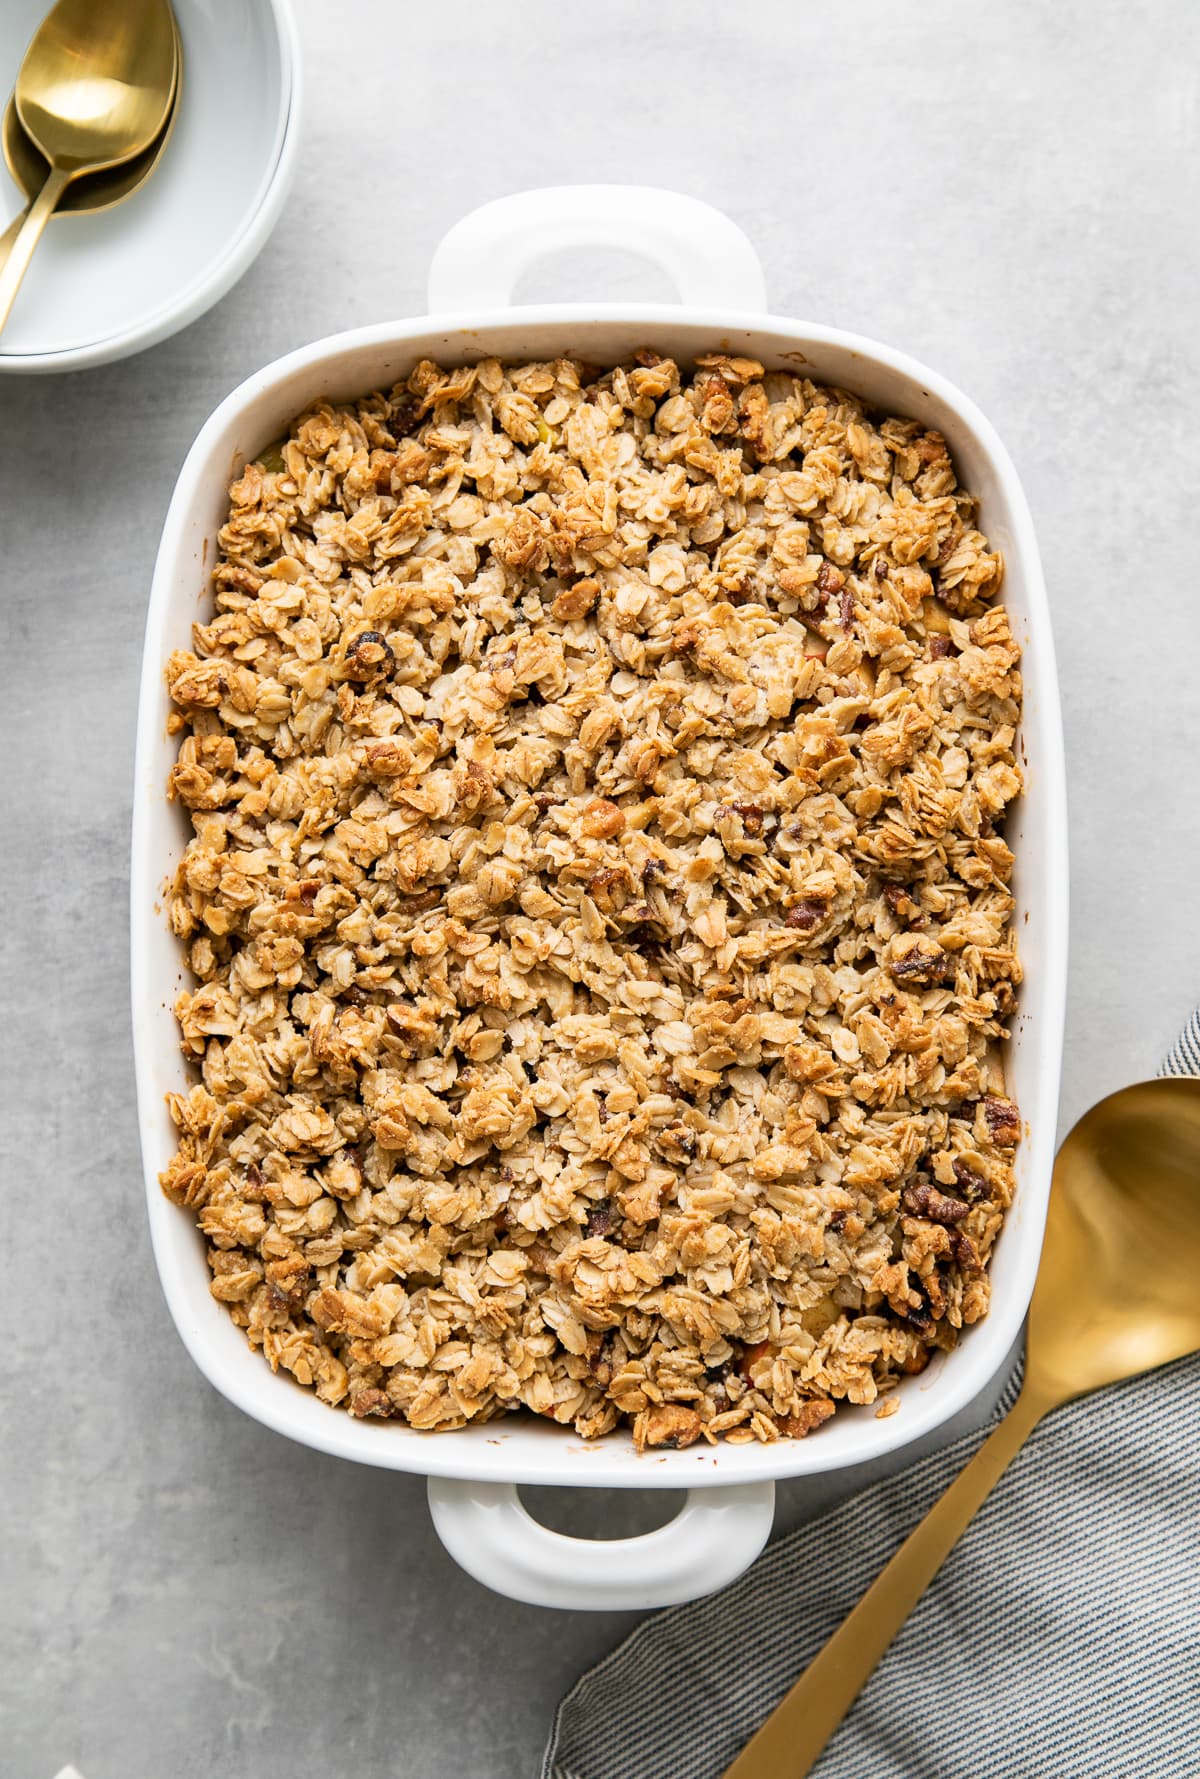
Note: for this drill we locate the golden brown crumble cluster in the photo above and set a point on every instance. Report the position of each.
(600, 923)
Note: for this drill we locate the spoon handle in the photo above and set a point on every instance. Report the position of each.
(11, 232)
(27, 238)
(792, 1739)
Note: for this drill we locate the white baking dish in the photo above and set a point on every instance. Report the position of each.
(473, 1473)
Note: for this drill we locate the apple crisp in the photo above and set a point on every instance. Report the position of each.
(597, 902)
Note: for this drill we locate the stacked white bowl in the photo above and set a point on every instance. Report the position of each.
(101, 287)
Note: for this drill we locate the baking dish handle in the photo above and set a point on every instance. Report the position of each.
(715, 1536)
(706, 256)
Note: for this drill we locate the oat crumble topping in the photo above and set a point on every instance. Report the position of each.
(597, 901)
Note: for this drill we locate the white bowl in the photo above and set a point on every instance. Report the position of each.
(474, 1471)
(101, 287)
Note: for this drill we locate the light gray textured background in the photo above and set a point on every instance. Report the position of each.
(1009, 192)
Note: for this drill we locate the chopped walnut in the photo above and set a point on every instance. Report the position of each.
(899, 899)
(806, 914)
(1003, 1122)
(806, 1419)
(919, 960)
(830, 579)
(668, 1423)
(371, 1402)
(576, 601)
(925, 1200)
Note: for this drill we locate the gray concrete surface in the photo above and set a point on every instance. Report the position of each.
(1009, 192)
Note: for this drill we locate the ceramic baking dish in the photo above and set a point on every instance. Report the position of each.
(474, 1473)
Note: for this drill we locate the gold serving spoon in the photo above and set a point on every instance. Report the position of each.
(91, 192)
(95, 89)
(1116, 1294)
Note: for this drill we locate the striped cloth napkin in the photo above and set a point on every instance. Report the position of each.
(1061, 1639)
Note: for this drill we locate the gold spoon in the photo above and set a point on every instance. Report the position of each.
(94, 90)
(91, 192)
(1116, 1294)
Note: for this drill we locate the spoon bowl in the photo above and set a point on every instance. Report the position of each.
(1117, 1290)
(91, 192)
(97, 81)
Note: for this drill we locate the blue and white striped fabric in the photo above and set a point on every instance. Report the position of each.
(1061, 1639)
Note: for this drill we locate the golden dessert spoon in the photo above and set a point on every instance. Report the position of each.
(1116, 1294)
(95, 89)
(91, 192)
